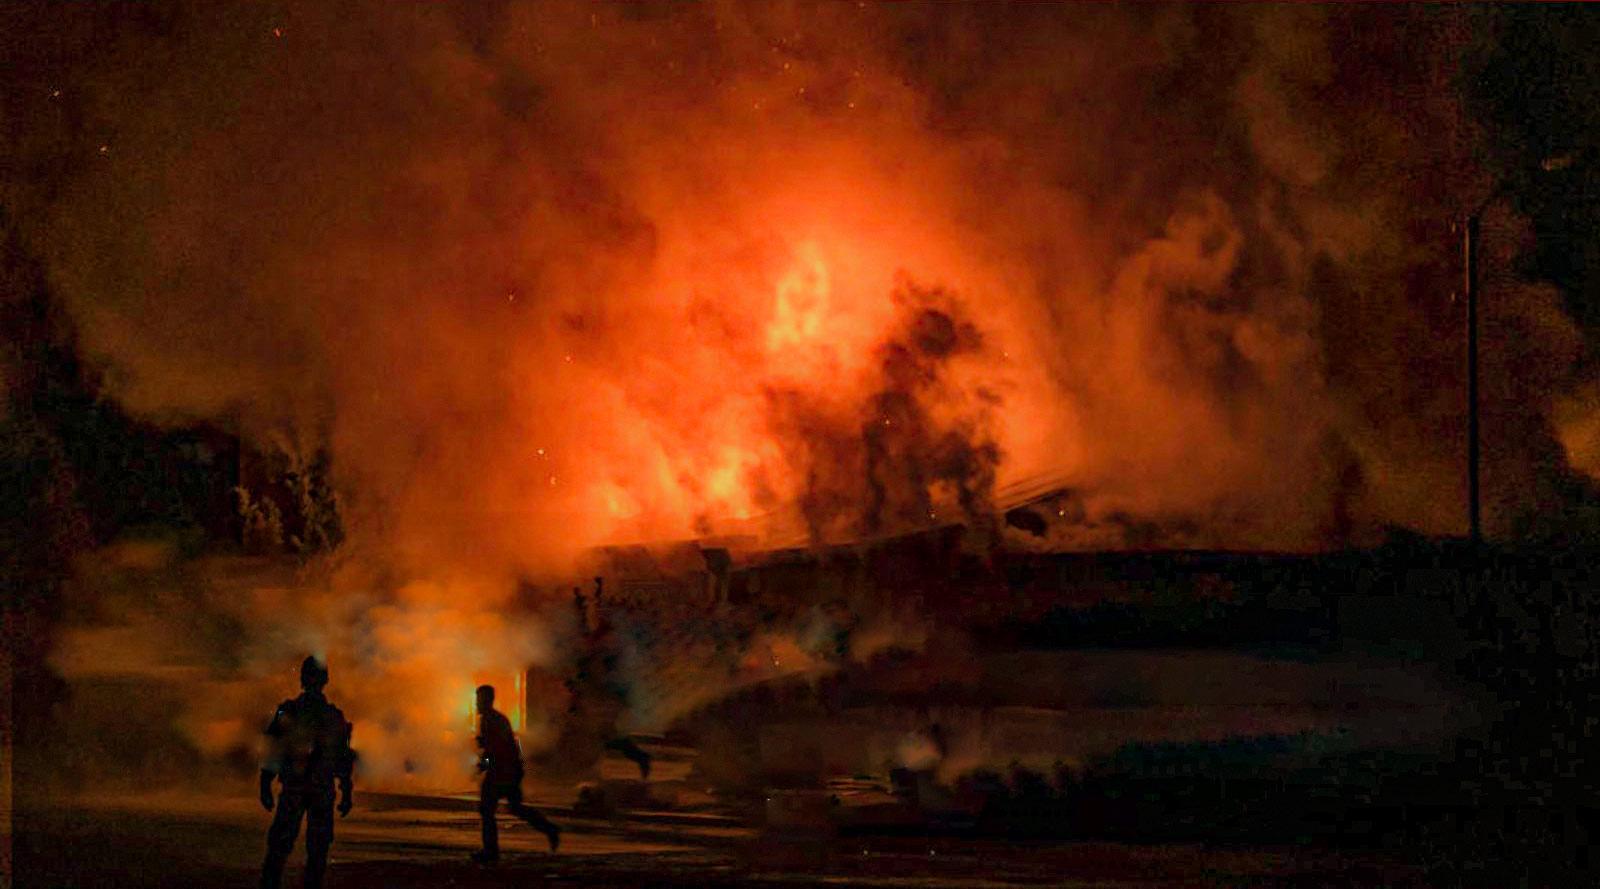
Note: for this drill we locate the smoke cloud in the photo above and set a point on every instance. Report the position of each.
(544, 276)
(540, 277)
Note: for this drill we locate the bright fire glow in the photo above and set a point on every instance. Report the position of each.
(575, 276)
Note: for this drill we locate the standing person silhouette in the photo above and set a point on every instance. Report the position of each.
(309, 750)
(500, 760)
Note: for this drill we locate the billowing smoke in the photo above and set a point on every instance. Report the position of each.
(540, 277)
(543, 276)
(549, 275)
(1578, 426)
(915, 444)
(210, 646)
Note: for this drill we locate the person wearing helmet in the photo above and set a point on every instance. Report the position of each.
(500, 761)
(308, 743)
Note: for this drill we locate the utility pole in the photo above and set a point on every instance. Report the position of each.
(1470, 248)
(1472, 238)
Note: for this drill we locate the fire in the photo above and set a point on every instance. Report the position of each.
(563, 286)
(580, 233)
(802, 305)
(749, 310)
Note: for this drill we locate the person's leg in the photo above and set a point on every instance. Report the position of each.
(626, 746)
(534, 817)
(280, 839)
(488, 798)
(319, 836)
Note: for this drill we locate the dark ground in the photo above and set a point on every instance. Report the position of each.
(393, 841)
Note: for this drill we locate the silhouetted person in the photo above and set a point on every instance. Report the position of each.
(599, 694)
(500, 760)
(308, 751)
